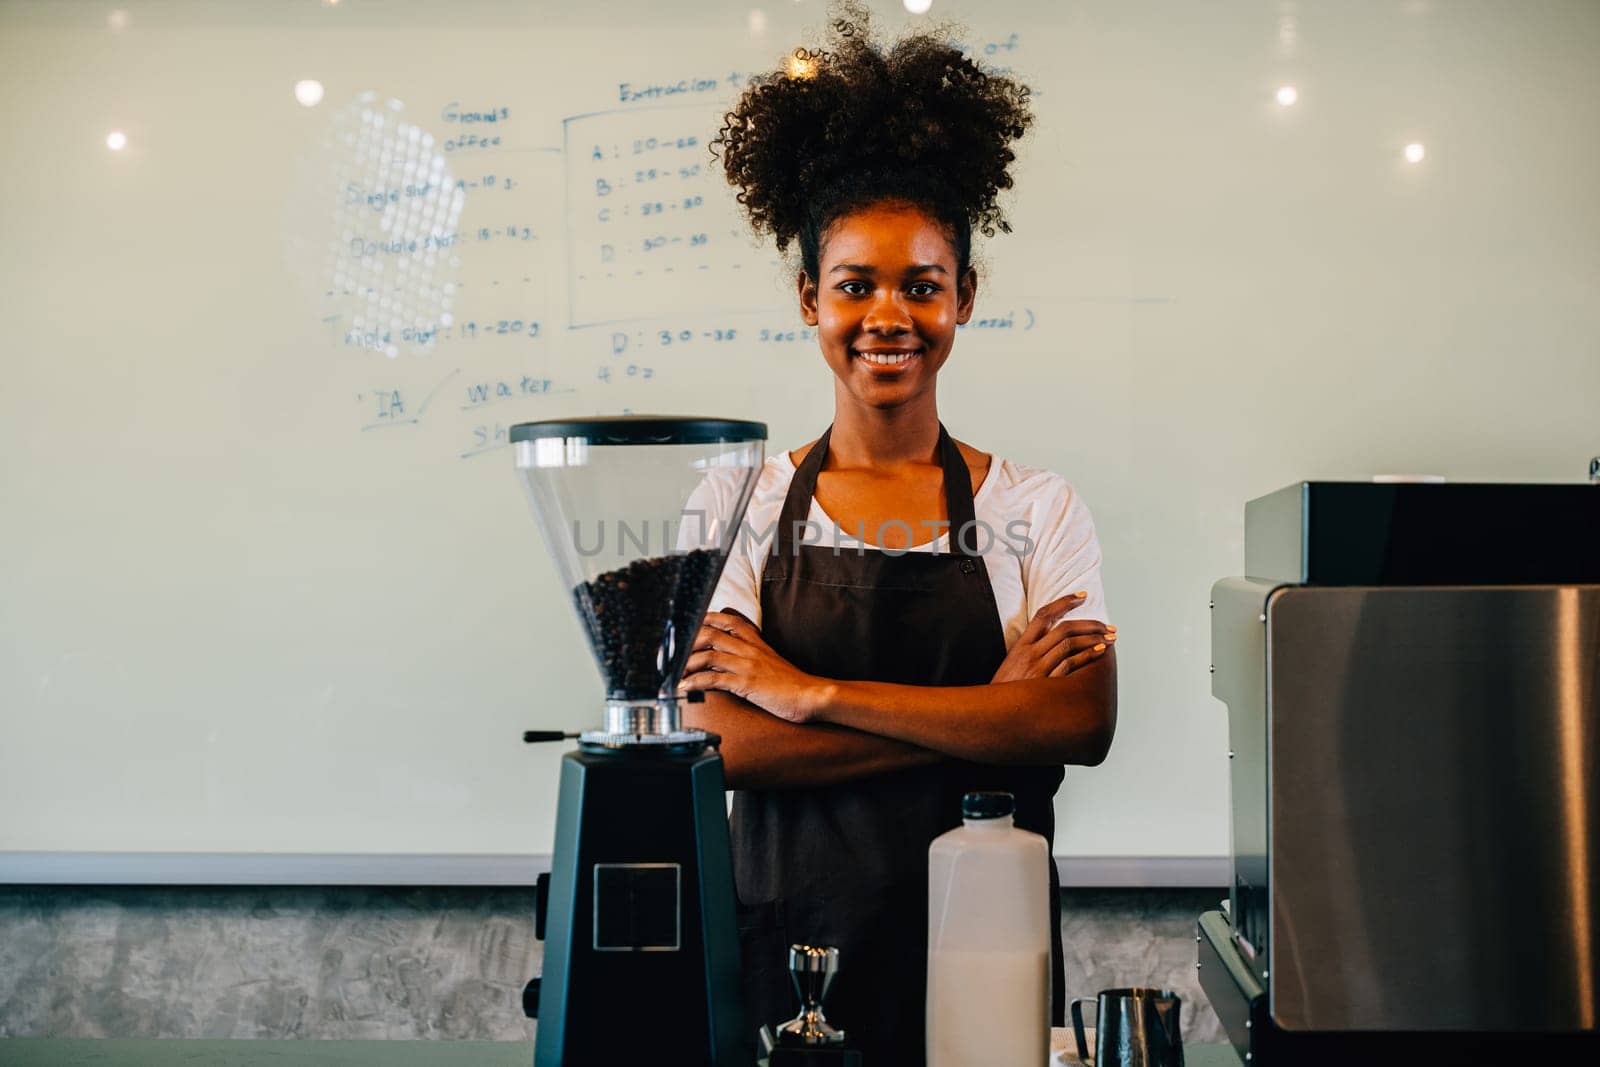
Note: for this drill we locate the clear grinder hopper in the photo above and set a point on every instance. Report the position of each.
(639, 513)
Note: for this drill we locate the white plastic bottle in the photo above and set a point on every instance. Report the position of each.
(988, 940)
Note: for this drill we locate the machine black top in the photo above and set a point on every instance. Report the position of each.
(1362, 533)
(643, 430)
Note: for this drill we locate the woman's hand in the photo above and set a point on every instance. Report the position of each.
(1048, 650)
(731, 655)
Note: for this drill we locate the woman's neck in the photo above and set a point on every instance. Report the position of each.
(883, 437)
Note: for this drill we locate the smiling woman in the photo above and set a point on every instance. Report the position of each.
(863, 683)
(887, 302)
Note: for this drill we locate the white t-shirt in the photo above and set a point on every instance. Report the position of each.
(1034, 533)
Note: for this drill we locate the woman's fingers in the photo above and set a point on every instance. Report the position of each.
(723, 629)
(701, 680)
(731, 622)
(1085, 642)
(1047, 615)
(707, 660)
(1075, 645)
(1069, 638)
(1079, 660)
(1072, 630)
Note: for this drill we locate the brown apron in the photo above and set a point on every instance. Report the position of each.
(847, 865)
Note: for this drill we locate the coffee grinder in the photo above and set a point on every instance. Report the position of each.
(641, 958)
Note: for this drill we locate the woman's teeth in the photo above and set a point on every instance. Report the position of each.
(886, 359)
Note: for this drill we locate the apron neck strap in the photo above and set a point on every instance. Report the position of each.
(957, 493)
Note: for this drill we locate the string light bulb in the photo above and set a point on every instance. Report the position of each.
(800, 64)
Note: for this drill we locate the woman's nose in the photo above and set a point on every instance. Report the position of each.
(887, 314)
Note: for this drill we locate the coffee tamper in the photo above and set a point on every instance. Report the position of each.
(808, 1040)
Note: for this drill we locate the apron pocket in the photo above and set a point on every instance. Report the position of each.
(769, 998)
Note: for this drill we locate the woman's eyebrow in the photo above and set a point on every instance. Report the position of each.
(862, 268)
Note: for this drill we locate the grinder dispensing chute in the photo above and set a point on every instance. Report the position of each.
(641, 958)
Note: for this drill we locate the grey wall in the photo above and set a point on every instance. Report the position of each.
(357, 963)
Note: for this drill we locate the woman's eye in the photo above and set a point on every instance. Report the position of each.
(855, 288)
(924, 289)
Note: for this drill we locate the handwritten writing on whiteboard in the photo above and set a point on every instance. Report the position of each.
(995, 55)
(391, 404)
(483, 339)
(373, 226)
(652, 228)
(625, 371)
(395, 405)
(630, 93)
(1005, 320)
(425, 336)
(454, 112)
(481, 394)
(478, 141)
(654, 245)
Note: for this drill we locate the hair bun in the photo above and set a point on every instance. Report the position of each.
(919, 121)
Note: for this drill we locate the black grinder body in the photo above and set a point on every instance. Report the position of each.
(641, 955)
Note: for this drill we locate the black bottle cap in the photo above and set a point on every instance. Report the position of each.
(989, 804)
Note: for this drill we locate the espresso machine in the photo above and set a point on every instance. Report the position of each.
(1412, 677)
(641, 960)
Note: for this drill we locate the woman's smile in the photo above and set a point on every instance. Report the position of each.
(886, 360)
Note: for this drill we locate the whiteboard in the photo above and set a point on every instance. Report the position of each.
(269, 592)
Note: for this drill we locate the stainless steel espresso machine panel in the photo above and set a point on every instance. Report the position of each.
(1432, 776)
(1412, 675)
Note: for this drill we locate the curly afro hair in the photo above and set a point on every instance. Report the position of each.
(838, 129)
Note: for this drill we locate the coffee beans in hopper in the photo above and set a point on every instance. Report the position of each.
(628, 610)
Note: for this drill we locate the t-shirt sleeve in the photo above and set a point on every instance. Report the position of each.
(1066, 555)
(737, 587)
(705, 516)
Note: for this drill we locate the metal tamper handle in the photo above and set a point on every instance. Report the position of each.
(812, 970)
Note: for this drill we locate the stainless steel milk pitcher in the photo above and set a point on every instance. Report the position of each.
(1133, 1028)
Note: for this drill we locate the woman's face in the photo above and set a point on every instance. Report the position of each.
(887, 302)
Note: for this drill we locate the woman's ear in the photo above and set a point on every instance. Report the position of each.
(807, 290)
(966, 294)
